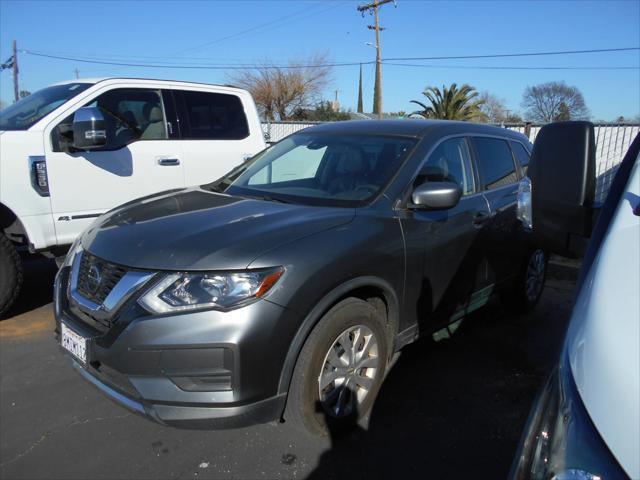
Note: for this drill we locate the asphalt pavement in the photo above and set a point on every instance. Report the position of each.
(452, 409)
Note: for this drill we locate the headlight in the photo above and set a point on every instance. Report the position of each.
(71, 254)
(561, 442)
(524, 203)
(178, 292)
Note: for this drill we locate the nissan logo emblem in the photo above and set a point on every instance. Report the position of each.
(94, 278)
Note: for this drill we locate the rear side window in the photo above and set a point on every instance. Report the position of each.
(211, 116)
(450, 162)
(522, 155)
(495, 162)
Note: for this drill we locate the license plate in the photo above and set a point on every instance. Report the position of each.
(74, 343)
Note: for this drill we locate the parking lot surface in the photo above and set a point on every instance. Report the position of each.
(452, 409)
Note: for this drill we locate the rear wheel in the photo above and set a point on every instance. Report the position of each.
(529, 283)
(340, 368)
(10, 274)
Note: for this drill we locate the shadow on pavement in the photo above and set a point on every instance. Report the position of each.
(455, 409)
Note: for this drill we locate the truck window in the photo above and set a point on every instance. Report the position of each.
(495, 162)
(522, 155)
(211, 116)
(130, 114)
(450, 162)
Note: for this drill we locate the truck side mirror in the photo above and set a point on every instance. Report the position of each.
(89, 129)
(563, 182)
(435, 196)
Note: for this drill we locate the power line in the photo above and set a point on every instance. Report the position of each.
(149, 59)
(217, 66)
(505, 55)
(202, 66)
(496, 67)
(280, 20)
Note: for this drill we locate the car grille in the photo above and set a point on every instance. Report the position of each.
(109, 276)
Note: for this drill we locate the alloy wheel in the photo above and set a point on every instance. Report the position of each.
(349, 371)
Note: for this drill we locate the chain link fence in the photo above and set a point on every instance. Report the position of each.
(612, 142)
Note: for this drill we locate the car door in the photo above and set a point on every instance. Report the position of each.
(501, 236)
(216, 134)
(445, 273)
(141, 157)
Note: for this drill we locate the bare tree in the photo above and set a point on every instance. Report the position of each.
(494, 110)
(552, 101)
(279, 91)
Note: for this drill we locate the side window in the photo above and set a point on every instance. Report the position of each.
(495, 162)
(297, 164)
(450, 162)
(212, 116)
(522, 155)
(130, 114)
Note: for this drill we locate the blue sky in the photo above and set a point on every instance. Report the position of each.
(194, 32)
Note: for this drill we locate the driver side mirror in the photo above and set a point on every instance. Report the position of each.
(89, 130)
(563, 183)
(435, 196)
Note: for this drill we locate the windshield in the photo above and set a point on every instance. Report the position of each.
(339, 170)
(27, 111)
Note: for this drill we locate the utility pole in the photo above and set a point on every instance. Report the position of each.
(16, 89)
(377, 89)
(360, 108)
(77, 73)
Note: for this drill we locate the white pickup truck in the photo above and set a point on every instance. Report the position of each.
(74, 150)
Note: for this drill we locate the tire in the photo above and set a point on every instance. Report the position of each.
(529, 284)
(10, 274)
(356, 381)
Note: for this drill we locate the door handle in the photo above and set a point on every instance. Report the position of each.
(168, 162)
(480, 219)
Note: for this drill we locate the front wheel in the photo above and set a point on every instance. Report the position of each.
(529, 283)
(340, 368)
(10, 274)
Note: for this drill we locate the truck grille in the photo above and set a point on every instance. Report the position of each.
(96, 278)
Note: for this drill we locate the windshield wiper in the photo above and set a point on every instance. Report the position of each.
(267, 198)
(216, 187)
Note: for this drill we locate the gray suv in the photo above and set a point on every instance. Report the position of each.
(283, 289)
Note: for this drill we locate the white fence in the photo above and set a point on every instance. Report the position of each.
(612, 142)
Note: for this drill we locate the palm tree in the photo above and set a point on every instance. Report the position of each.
(451, 103)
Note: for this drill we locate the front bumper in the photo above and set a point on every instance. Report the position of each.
(207, 369)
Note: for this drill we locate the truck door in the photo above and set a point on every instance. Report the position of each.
(141, 157)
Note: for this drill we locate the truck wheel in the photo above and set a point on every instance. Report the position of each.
(340, 368)
(529, 283)
(10, 274)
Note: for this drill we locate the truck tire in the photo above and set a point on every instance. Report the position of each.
(339, 370)
(10, 274)
(529, 283)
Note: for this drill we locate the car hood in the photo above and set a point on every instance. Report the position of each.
(199, 230)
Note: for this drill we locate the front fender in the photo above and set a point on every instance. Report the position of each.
(330, 299)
